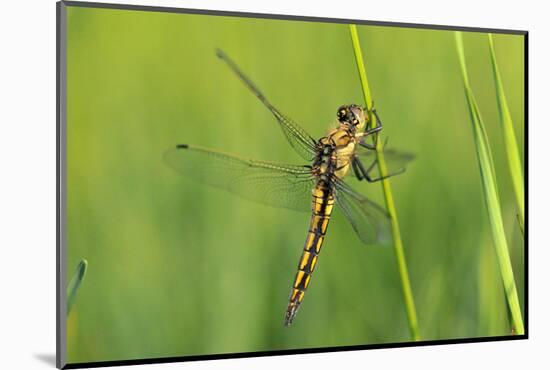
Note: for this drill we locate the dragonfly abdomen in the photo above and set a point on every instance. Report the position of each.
(323, 202)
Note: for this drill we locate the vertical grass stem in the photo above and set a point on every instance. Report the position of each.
(490, 190)
(511, 145)
(390, 204)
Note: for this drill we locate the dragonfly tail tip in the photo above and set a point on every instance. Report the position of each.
(290, 313)
(182, 146)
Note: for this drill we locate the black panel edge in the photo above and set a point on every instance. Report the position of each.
(289, 352)
(61, 101)
(526, 182)
(226, 13)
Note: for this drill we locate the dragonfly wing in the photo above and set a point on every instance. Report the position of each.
(273, 184)
(369, 220)
(396, 161)
(298, 138)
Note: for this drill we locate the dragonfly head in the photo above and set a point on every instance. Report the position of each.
(352, 116)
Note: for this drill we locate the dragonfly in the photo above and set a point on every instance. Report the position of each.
(315, 186)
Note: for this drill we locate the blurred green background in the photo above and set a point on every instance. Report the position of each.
(176, 268)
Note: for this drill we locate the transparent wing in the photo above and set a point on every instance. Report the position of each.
(370, 221)
(396, 161)
(302, 143)
(298, 138)
(269, 183)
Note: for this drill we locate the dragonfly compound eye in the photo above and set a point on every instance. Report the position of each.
(342, 113)
(357, 115)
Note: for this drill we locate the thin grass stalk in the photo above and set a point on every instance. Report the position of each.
(390, 204)
(511, 145)
(75, 283)
(490, 191)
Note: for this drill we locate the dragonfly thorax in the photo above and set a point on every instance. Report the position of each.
(337, 148)
(324, 164)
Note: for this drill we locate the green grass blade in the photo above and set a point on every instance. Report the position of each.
(514, 161)
(361, 67)
(75, 282)
(490, 191)
(390, 204)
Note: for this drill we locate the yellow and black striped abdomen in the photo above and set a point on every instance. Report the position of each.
(323, 202)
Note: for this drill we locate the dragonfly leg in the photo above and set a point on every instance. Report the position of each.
(373, 130)
(370, 179)
(364, 144)
(365, 171)
(378, 120)
(356, 170)
(359, 169)
(377, 128)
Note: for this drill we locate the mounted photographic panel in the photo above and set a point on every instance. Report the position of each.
(236, 185)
